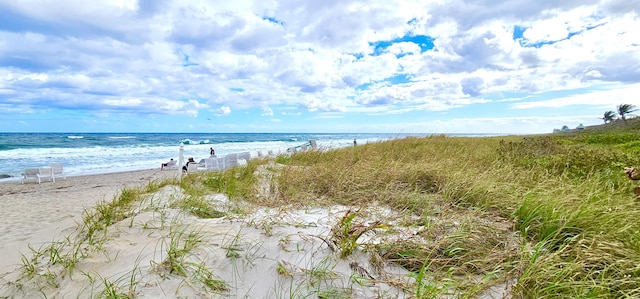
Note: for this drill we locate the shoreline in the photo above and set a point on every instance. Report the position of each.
(34, 214)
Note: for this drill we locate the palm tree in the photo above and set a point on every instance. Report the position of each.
(624, 109)
(609, 116)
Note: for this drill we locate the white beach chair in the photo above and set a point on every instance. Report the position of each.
(212, 164)
(31, 174)
(230, 160)
(192, 167)
(244, 156)
(172, 164)
(46, 173)
(254, 154)
(56, 169)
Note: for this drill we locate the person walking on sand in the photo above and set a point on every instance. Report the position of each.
(355, 142)
(212, 152)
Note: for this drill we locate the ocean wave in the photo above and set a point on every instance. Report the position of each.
(75, 137)
(189, 141)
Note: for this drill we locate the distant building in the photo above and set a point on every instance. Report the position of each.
(580, 127)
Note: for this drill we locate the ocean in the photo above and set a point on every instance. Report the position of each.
(96, 153)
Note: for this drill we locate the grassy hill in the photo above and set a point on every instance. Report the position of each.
(632, 125)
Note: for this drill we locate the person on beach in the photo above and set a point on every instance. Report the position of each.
(355, 142)
(167, 164)
(184, 168)
(212, 152)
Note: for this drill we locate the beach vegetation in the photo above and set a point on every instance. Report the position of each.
(178, 252)
(113, 291)
(347, 231)
(199, 207)
(545, 215)
(624, 110)
(236, 183)
(29, 266)
(107, 213)
(233, 247)
(609, 116)
(283, 270)
(209, 280)
(180, 244)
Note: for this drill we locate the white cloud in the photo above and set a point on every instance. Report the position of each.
(223, 111)
(150, 57)
(601, 98)
(267, 111)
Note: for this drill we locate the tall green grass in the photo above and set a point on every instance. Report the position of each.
(568, 200)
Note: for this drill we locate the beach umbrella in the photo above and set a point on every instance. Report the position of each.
(180, 160)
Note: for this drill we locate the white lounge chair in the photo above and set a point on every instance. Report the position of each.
(172, 164)
(56, 169)
(46, 173)
(212, 164)
(31, 174)
(192, 167)
(244, 156)
(202, 163)
(230, 161)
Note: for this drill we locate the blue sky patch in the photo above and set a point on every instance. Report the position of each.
(273, 20)
(518, 35)
(393, 80)
(424, 42)
(364, 86)
(186, 61)
(518, 32)
(398, 79)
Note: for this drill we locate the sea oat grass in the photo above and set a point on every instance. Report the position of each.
(551, 191)
(237, 183)
(198, 206)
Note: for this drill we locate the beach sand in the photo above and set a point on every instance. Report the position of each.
(35, 213)
(236, 248)
(164, 252)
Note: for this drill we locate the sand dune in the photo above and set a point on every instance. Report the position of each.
(161, 251)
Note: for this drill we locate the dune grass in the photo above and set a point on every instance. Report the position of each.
(568, 202)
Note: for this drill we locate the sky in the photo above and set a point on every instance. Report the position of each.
(371, 66)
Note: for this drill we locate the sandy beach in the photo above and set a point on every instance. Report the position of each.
(35, 213)
(242, 251)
